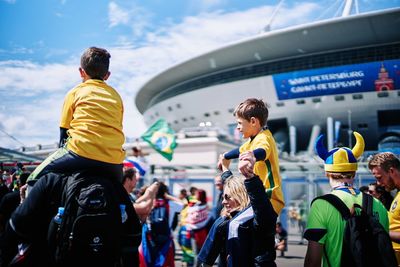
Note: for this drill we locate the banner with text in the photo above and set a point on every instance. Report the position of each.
(373, 76)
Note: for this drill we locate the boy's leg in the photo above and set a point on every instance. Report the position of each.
(44, 167)
(114, 171)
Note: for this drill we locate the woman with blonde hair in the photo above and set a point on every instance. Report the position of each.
(244, 234)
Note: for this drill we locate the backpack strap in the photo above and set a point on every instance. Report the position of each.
(337, 203)
(367, 203)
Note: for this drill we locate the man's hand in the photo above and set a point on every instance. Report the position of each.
(22, 192)
(246, 164)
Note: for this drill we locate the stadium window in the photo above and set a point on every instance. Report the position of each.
(169, 108)
(383, 94)
(231, 110)
(178, 105)
(300, 102)
(216, 112)
(362, 126)
(192, 118)
(184, 120)
(176, 122)
(339, 97)
(316, 100)
(207, 114)
(357, 96)
(280, 104)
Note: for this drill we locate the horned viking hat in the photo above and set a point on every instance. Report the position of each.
(340, 159)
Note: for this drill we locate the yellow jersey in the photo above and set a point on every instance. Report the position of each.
(268, 169)
(93, 114)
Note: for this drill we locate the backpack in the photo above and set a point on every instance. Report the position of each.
(91, 232)
(158, 223)
(365, 241)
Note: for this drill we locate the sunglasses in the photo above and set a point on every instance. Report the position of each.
(227, 197)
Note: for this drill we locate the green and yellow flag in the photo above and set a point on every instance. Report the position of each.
(162, 138)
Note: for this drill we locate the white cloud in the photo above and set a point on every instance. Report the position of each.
(37, 90)
(133, 16)
(117, 15)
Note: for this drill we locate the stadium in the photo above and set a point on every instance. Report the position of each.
(333, 76)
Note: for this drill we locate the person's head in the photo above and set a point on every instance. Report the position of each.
(201, 196)
(95, 63)
(136, 151)
(341, 162)
(278, 227)
(251, 116)
(218, 182)
(23, 177)
(183, 194)
(129, 179)
(192, 191)
(235, 197)
(162, 190)
(385, 167)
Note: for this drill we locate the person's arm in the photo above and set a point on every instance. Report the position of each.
(63, 136)
(174, 198)
(233, 154)
(314, 254)
(395, 236)
(144, 204)
(264, 214)
(214, 243)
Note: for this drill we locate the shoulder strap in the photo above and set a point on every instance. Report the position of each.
(337, 203)
(367, 203)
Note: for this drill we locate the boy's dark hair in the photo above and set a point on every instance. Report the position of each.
(95, 61)
(252, 107)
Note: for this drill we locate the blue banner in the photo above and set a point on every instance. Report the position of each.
(373, 76)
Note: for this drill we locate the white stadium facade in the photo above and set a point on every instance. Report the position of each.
(342, 73)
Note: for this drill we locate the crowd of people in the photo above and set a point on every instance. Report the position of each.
(243, 229)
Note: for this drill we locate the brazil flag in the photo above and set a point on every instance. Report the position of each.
(162, 138)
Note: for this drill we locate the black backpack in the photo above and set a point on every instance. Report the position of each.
(158, 223)
(91, 232)
(365, 241)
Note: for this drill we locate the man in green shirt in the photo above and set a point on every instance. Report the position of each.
(325, 226)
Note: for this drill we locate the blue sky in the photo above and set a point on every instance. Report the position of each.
(42, 41)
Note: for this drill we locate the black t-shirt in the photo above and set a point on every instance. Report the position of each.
(30, 221)
(282, 235)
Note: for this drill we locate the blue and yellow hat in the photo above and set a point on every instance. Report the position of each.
(340, 159)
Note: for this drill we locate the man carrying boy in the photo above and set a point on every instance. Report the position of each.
(251, 117)
(91, 135)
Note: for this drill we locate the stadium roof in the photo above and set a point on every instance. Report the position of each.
(7, 155)
(357, 31)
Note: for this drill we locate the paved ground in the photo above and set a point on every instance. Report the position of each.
(294, 257)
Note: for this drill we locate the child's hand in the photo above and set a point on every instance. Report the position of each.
(247, 155)
(246, 164)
